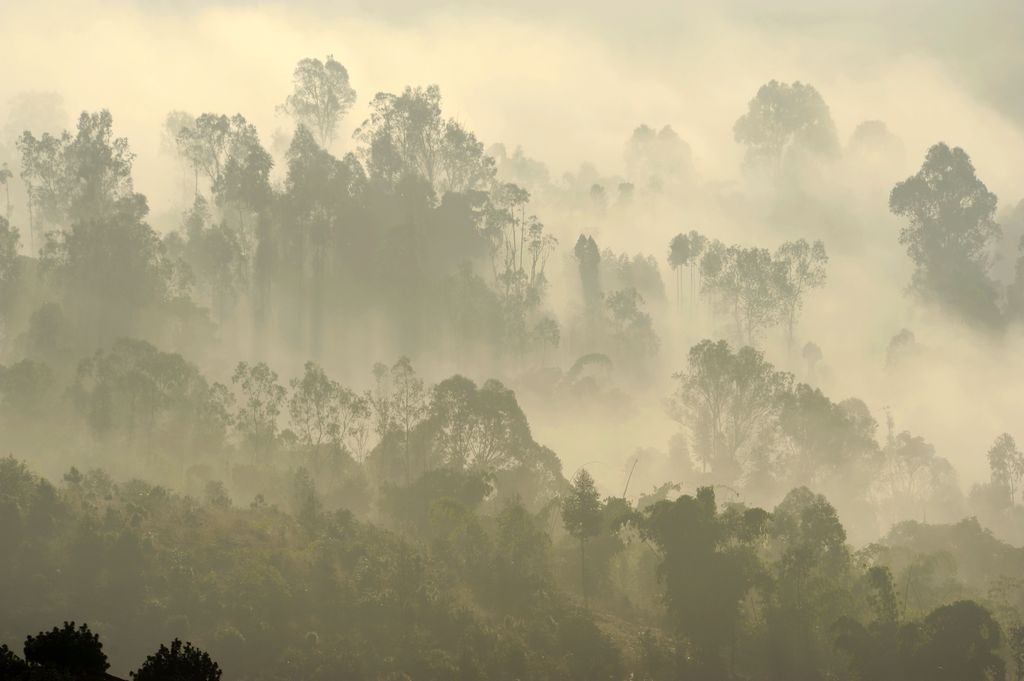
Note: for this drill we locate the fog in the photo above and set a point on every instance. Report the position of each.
(133, 342)
(226, 57)
(589, 84)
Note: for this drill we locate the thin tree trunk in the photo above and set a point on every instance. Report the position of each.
(31, 222)
(789, 334)
(408, 464)
(583, 570)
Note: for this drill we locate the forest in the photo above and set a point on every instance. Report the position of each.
(347, 387)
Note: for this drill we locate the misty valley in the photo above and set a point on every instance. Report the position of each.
(347, 387)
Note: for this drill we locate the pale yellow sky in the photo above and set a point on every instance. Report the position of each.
(566, 93)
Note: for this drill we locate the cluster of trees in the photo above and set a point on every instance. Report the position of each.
(1006, 463)
(950, 234)
(313, 594)
(887, 648)
(474, 500)
(616, 323)
(403, 225)
(414, 234)
(758, 289)
(400, 529)
(69, 653)
(154, 408)
(781, 595)
(659, 160)
(562, 583)
(401, 230)
(672, 586)
(747, 423)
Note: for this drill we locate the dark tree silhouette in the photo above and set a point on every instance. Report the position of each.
(10, 664)
(180, 662)
(67, 649)
(707, 566)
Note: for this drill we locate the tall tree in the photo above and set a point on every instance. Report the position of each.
(219, 255)
(321, 96)
(809, 588)
(9, 273)
(1015, 291)
(245, 180)
(315, 408)
(100, 165)
(205, 145)
(407, 135)
(262, 397)
(1006, 464)
(324, 412)
(783, 119)
(728, 402)
(408, 403)
(5, 180)
(707, 565)
(801, 268)
(519, 249)
(110, 269)
(463, 165)
(321, 247)
(679, 255)
(228, 152)
(588, 257)
(478, 428)
(950, 232)
(745, 283)
(80, 177)
(581, 513)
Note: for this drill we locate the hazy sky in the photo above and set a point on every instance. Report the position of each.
(569, 81)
